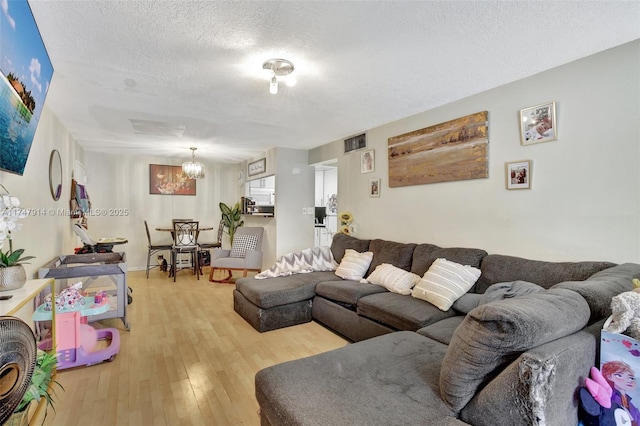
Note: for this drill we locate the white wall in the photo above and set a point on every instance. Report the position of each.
(117, 182)
(295, 183)
(585, 197)
(584, 204)
(268, 223)
(289, 230)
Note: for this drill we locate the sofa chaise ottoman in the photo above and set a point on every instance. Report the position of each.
(511, 362)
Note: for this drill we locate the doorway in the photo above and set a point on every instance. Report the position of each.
(326, 202)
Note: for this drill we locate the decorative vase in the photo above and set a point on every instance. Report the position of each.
(12, 277)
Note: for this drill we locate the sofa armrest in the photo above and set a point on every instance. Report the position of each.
(538, 388)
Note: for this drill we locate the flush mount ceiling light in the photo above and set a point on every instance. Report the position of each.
(280, 68)
(193, 169)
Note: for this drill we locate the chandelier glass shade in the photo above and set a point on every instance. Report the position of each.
(193, 169)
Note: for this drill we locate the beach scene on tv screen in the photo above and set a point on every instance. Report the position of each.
(25, 75)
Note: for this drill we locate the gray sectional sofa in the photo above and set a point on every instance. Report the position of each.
(512, 351)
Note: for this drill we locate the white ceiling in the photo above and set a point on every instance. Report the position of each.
(189, 73)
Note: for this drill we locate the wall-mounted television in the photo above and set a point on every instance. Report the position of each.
(25, 75)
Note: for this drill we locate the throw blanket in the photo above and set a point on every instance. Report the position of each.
(305, 261)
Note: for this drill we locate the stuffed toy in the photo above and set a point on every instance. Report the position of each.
(596, 408)
(636, 285)
(625, 314)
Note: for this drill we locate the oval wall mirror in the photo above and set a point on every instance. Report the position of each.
(55, 174)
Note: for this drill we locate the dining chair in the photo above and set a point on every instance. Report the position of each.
(154, 248)
(185, 240)
(210, 245)
(245, 254)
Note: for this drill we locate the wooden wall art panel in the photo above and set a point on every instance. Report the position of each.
(445, 152)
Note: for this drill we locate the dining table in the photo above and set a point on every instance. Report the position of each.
(170, 229)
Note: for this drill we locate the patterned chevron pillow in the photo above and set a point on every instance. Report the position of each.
(305, 261)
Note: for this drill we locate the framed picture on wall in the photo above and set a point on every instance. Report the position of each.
(374, 187)
(257, 167)
(518, 174)
(538, 124)
(367, 161)
(169, 180)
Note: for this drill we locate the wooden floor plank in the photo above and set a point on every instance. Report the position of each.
(188, 359)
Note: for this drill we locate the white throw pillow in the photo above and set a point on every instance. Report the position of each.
(445, 282)
(393, 278)
(354, 265)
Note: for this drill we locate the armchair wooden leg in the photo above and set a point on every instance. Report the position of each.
(224, 280)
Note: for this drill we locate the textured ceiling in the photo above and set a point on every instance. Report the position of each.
(156, 77)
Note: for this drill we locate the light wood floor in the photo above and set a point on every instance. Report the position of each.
(188, 359)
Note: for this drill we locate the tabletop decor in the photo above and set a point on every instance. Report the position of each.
(12, 273)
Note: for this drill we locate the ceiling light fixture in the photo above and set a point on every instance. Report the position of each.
(280, 68)
(193, 169)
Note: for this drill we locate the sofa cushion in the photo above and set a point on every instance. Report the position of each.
(442, 331)
(425, 254)
(494, 334)
(396, 254)
(346, 291)
(495, 292)
(386, 380)
(400, 312)
(341, 242)
(498, 268)
(281, 290)
(445, 282)
(354, 265)
(601, 287)
(393, 279)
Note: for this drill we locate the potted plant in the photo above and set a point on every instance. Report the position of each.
(231, 218)
(41, 380)
(12, 273)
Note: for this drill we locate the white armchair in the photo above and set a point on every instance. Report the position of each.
(245, 254)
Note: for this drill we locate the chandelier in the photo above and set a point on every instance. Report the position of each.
(193, 169)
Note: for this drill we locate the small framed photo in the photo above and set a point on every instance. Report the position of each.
(374, 187)
(257, 167)
(518, 174)
(367, 161)
(538, 124)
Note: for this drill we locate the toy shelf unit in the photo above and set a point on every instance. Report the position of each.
(75, 340)
(97, 272)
